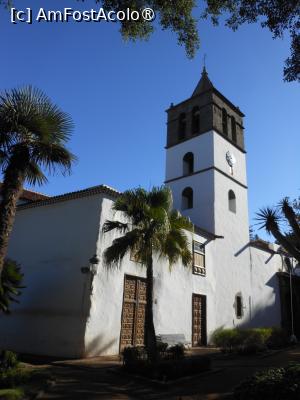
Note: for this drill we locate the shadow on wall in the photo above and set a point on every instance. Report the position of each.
(278, 312)
(264, 316)
(48, 321)
(99, 346)
(268, 313)
(285, 295)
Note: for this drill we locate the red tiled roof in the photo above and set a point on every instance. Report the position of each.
(29, 195)
(46, 200)
(70, 196)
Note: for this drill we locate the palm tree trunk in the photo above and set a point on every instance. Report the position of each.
(150, 337)
(11, 190)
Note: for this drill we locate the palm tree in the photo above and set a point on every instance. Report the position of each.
(151, 227)
(270, 220)
(33, 134)
(10, 285)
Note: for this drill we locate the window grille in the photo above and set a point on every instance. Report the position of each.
(199, 258)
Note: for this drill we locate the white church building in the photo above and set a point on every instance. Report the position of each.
(74, 307)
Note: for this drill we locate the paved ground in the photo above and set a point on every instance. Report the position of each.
(98, 379)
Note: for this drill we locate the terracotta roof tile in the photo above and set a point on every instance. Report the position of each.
(29, 195)
(70, 196)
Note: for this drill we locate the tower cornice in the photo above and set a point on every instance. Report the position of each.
(212, 90)
(201, 171)
(204, 133)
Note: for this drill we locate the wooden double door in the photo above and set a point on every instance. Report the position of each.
(133, 312)
(199, 337)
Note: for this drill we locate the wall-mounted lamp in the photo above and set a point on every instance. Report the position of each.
(94, 261)
(93, 266)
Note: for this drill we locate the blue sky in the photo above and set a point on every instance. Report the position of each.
(117, 93)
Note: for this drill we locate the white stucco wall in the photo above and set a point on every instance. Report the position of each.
(265, 296)
(66, 313)
(172, 296)
(221, 147)
(202, 213)
(202, 148)
(52, 243)
(63, 312)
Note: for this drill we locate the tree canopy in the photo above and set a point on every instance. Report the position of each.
(279, 16)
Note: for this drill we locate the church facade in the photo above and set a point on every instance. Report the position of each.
(73, 306)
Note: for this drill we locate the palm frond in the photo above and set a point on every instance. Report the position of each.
(160, 197)
(179, 221)
(34, 174)
(53, 156)
(160, 229)
(117, 225)
(29, 118)
(10, 285)
(133, 203)
(268, 219)
(291, 217)
(115, 253)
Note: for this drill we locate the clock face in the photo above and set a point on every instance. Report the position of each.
(230, 159)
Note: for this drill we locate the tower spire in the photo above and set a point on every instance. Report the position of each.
(204, 64)
(204, 83)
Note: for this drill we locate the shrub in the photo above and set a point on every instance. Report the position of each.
(272, 384)
(176, 352)
(161, 346)
(132, 355)
(253, 341)
(249, 341)
(13, 377)
(11, 394)
(170, 364)
(227, 339)
(8, 360)
(278, 338)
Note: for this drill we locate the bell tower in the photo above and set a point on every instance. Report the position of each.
(205, 161)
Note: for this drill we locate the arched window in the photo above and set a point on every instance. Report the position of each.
(195, 120)
(224, 121)
(233, 129)
(187, 198)
(181, 126)
(188, 164)
(239, 305)
(231, 201)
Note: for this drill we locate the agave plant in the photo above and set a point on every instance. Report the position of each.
(271, 219)
(10, 285)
